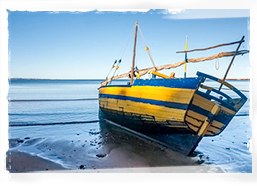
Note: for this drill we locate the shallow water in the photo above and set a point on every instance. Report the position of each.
(58, 120)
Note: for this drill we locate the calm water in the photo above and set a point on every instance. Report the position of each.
(50, 102)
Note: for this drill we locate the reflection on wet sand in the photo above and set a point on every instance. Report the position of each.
(91, 147)
(139, 151)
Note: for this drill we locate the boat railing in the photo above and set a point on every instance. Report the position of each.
(235, 103)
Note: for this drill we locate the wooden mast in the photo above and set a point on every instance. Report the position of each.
(134, 55)
(240, 42)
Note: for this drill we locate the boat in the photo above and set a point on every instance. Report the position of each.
(162, 105)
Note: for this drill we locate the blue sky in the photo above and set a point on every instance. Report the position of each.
(84, 45)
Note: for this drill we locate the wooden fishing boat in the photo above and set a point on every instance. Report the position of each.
(168, 105)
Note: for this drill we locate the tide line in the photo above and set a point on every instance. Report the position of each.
(44, 124)
(28, 100)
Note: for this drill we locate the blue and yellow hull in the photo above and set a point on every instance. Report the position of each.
(169, 106)
(155, 103)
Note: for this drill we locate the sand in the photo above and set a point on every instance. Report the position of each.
(88, 148)
(17, 162)
(21, 162)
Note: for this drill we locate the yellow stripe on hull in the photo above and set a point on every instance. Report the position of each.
(177, 95)
(160, 113)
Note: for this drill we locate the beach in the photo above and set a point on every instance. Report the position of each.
(64, 149)
(18, 162)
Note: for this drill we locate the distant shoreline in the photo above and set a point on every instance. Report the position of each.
(238, 79)
(229, 79)
(26, 79)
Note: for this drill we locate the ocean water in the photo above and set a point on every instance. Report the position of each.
(50, 111)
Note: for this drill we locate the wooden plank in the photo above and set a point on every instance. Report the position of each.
(213, 130)
(228, 110)
(194, 121)
(196, 115)
(217, 124)
(193, 128)
(203, 128)
(202, 102)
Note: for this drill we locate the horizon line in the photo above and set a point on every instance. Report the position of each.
(101, 79)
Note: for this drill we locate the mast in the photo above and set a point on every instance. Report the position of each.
(240, 42)
(134, 55)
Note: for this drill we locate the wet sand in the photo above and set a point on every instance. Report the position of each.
(93, 148)
(23, 162)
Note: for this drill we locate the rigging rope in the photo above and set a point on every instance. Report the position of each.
(146, 48)
(143, 44)
(127, 44)
(118, 64)
(141, 34)
(117, 67)
(124, 49)
(111, 69)
(217, 64)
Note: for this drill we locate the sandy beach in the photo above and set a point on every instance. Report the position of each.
(23, 162)
(88, 148)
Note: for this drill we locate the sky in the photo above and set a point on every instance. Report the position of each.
(84, 45)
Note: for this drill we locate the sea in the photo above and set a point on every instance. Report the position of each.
(49, 118)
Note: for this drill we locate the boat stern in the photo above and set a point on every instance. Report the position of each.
(211, 109)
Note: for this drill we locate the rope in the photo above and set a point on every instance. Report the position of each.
(127, 44)
(148, 51)
(141, 34)
(143, 44)
(217, 64)
(111, 68)
(117, 66)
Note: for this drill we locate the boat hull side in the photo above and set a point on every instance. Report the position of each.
(148, 106)
(144, 123)
(165, 103)
(183, 143)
